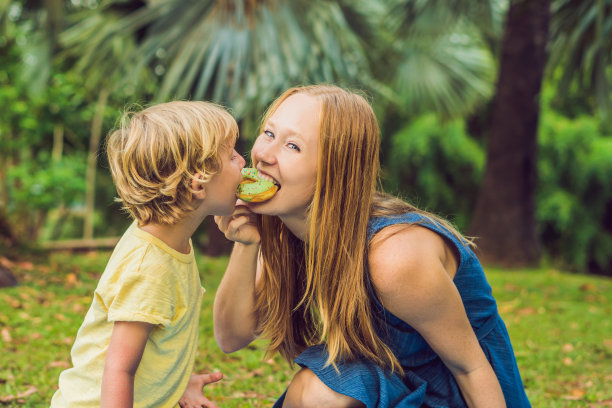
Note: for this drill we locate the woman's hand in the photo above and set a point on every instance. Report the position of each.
(193, 397)
(240, 226)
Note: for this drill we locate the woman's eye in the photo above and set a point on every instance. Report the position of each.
(293, 146)
(269, 134)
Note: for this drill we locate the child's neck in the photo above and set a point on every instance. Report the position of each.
(176, 236)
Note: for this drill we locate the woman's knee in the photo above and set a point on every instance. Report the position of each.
(307, 390)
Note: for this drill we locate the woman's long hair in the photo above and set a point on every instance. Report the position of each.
(317, 291)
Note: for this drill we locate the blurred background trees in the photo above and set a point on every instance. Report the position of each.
(455, 85)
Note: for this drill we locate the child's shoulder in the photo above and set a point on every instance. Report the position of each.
(140, 253)
(133, 250)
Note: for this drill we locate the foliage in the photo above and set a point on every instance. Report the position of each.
(44, 137)
(96, 45)
(437, 165)
(445, 63)
(33, 180)
(563, 363)
(39, 185)
(240, 54)
(581, 51)
(575, 196)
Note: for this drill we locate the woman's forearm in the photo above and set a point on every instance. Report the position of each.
(235, 320)
(480, 388)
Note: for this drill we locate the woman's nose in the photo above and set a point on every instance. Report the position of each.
(264, 153)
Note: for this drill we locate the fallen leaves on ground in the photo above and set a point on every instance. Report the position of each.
(6, 335)
(8, 398)
(61, 364)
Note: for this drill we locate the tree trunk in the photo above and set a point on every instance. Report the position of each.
(6, 277)
(504, 217)
(7, 236)
(90, 188)
(58, 142)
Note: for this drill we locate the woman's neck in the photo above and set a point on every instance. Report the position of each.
(297, 225)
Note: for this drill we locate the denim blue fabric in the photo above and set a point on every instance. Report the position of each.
(427, 381)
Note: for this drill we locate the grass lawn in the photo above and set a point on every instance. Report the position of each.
(559, 324)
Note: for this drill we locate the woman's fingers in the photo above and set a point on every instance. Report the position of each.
(240, 227)
(240, 210)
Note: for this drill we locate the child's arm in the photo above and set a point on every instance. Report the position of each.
(125, 350)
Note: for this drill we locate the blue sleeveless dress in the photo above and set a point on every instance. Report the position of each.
(427, 381)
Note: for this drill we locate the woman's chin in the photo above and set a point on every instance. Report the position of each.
(260, 207)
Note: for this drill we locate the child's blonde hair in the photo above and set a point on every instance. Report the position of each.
(156, 152)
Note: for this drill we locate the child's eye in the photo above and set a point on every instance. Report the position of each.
(293, 146)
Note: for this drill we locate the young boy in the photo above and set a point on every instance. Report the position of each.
(173, 164)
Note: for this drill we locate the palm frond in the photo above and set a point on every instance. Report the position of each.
(447, 66)
(581, 47)
(236, 53)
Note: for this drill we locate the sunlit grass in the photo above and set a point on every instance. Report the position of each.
(561, 331)
(559, 324)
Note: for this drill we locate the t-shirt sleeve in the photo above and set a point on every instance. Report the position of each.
(143, 294)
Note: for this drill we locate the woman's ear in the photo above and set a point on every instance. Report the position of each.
(197, 185)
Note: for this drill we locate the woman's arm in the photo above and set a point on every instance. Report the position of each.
(412, 274)
(235, 320)
(125, 349)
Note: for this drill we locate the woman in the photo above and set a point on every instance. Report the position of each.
(381, 304)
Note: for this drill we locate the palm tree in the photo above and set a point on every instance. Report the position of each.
(235, 52)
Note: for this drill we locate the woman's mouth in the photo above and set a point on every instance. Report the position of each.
(267, 177)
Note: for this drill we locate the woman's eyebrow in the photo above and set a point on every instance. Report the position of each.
(287, 130)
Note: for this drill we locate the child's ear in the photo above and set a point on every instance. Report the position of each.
(197, 185)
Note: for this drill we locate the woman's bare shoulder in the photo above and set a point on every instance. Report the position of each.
(410, 273)
(404, 252)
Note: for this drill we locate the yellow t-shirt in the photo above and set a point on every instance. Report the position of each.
(147, 281)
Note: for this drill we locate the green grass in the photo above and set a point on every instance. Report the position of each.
(559, 324)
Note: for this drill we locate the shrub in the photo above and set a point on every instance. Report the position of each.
(574, 202)
(437, 166)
